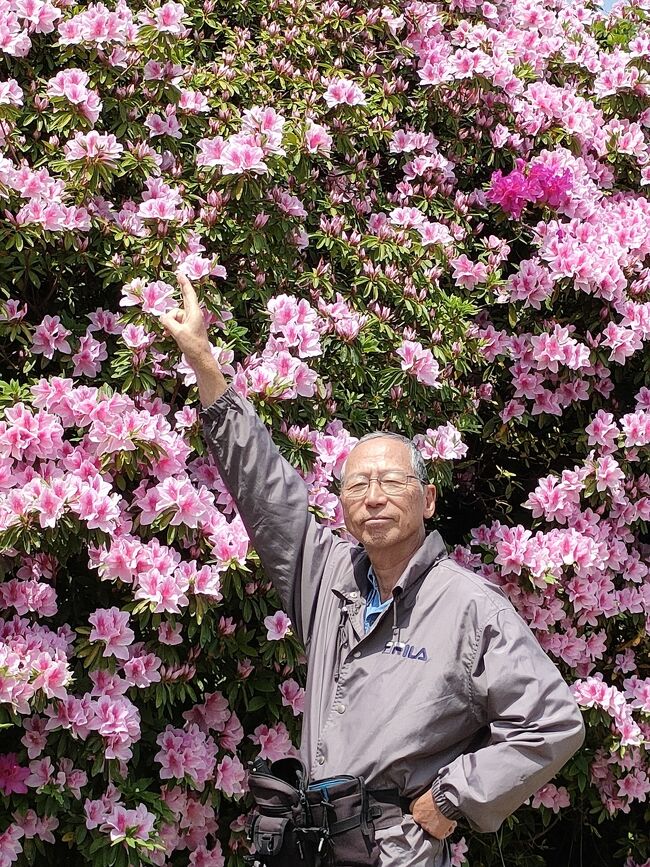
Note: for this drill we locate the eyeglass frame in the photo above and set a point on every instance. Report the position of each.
(378, 479)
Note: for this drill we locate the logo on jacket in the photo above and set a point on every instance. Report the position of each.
(406, 651)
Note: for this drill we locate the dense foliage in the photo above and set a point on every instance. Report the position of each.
(408, 215)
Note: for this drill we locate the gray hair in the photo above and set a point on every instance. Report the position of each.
(417, 461)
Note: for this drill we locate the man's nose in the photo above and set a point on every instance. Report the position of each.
(375, 494)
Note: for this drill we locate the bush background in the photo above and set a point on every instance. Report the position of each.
(502, 87)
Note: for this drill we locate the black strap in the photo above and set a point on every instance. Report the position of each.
(391, 796)
(345, 825)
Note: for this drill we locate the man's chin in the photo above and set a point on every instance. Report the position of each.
(377, 532)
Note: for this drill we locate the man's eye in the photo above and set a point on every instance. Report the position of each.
(357, 487)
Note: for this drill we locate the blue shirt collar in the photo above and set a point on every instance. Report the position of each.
(374, 605)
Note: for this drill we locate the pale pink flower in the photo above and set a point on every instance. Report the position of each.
(41, 772)
(210, 151)
(168, 19)
(186, 752)
(110, 626)
(204, 857)
(35, 737)
(433, 233)
(142, 670)
(293, 696)
(442, 444)
(419, 362)
(137, 824)
(343, 91)
(10, 93)
(458, 852)
(277, 626)
(317, 139)
(230, 776)
(239, 157)
(274, 742)
(12, 775)
(89, 356)
(50, 337)
(169, 634)
(117, 720)
(467, 273)
(10, 847)
(93, 147)
(552, 797)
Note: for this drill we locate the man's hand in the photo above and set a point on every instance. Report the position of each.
(187, 326)
(427, 815)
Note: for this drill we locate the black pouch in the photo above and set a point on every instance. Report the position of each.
(281, 830)
(342, 806)
(326, 824)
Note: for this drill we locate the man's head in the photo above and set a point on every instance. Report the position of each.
(392, 516)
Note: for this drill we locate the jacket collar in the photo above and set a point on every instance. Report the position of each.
(353, 586)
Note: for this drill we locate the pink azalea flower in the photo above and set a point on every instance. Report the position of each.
(552, 797)
(467, 273)
(186, 752)
(168, 18)
(121, 822)
(239, 157)
(419, 362)
(458, 852)
(12, 775)
(274, 742)
(50, 337)
(277, 625)
(93, 148)
(317, 139)
(169, 634)
(230, 776)
(442, 444)
(110, 626)
(10, 847)
(343, 91)
(293, 696)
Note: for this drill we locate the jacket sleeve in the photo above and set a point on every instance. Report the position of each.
(534, 727)
(272, 500)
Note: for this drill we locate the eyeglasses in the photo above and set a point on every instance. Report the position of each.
(392, 484)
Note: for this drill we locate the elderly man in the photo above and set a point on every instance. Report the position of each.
(422, 678)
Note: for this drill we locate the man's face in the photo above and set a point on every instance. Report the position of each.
(379, 520)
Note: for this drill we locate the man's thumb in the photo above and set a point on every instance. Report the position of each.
(170, 322)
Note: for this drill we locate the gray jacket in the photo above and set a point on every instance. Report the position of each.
(464, 700)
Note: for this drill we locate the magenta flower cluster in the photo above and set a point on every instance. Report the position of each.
(536, 184)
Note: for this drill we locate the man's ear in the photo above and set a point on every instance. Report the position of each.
(430, 494)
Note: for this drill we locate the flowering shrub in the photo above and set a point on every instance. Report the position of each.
(397, 214)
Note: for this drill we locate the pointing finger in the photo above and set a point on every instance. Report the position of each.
(190, 301)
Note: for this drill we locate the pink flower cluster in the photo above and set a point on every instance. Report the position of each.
(246, 151)
(186, 753)
(442, 444)
(33, 658)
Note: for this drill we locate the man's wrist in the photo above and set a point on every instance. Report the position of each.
(448, 810)
(201, 358)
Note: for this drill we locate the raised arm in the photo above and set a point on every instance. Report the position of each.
(271, 496)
